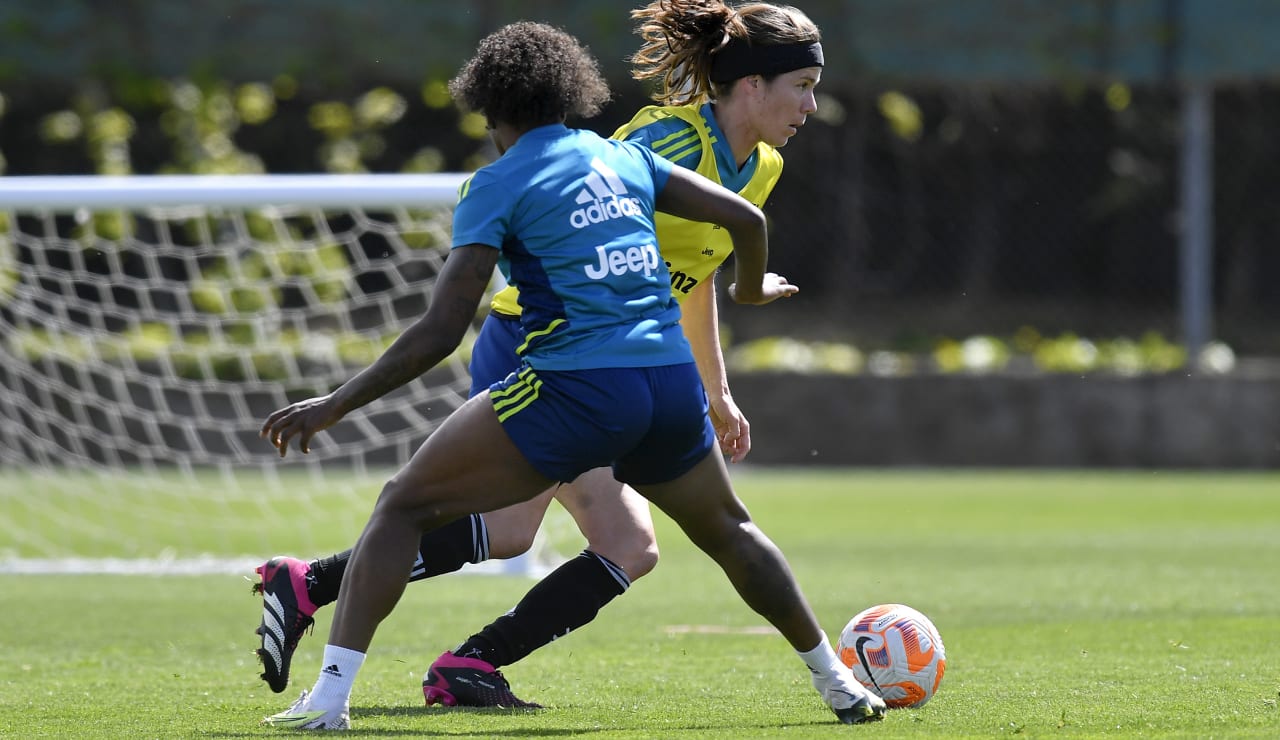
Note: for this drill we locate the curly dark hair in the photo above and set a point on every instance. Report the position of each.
(530, 74)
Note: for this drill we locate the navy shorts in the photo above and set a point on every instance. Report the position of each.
(493, 355)
(650, 424)
(594, 418)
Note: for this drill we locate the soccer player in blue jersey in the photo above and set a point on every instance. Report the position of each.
(607, 378)
(726, 107)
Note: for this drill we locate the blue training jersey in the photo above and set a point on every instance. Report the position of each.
(572, 214)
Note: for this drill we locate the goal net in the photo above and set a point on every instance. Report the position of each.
(148, 325)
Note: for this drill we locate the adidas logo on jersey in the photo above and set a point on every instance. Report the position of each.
(604, 198)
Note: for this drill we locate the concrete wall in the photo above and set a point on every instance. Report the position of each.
(1170, 421)
(1056, 421)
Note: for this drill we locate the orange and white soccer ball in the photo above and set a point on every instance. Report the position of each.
(896, 652)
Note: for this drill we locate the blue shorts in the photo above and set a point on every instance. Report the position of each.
(650, 424)
(493, 356)
(584, 419)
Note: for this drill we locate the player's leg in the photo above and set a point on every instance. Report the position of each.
(469, 463)
(615, 519)
(475, 538)
(703, 504)
(679, 468)
(620, 548)
(444, 550)
(293, 589)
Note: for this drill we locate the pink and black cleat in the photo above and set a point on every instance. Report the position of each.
(469, 682)
(286, 615)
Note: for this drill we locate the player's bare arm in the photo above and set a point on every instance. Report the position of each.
(700, 322)
(691, 196)
(423, 345)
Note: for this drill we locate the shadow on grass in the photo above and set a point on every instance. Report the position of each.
(413, 717)
(547, 714)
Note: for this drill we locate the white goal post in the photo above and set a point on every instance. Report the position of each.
(148, 324)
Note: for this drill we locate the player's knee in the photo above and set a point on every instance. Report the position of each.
(643, 561)
(396, 501)
(637, 556)
(403, 502)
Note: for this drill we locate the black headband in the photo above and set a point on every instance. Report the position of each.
(739, 58)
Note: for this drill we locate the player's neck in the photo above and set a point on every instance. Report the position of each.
(505, 135)
(738, 132)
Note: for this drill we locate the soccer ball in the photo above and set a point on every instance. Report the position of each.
(896, 652)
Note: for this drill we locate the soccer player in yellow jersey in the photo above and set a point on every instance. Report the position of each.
(735, 83)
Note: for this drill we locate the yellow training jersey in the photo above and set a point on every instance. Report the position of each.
(693, 250)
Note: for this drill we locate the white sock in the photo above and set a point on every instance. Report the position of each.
(337, 676)
(823, 662)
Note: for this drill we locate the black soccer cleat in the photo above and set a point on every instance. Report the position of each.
(286, 615)
(469, 682)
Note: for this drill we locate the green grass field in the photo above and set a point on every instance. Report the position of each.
(1141, 604)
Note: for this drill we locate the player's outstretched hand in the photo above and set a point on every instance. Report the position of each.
(774, 287)
(302, 420)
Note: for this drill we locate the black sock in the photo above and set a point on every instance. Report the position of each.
(450, 547)
(441, 550)
(569, 597)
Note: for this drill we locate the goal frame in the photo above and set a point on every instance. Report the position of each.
(38, 193)
(43, 196)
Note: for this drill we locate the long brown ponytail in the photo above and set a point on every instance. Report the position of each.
(679, 39)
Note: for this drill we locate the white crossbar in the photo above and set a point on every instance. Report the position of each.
(61, 192)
